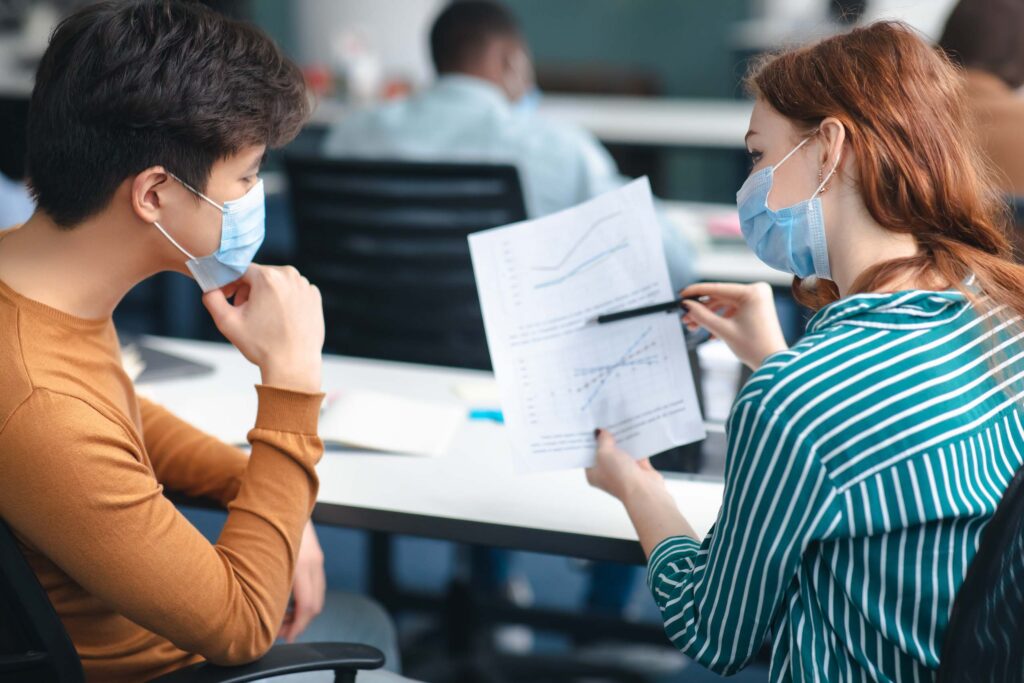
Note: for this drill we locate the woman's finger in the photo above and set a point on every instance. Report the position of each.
(605, 440)
(706, 318)
(721, 290)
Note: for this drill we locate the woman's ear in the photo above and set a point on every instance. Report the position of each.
(833, 134)
(146, 190)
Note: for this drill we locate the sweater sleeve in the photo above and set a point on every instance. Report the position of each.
(188, 460)
(74, 484)
(718, 598)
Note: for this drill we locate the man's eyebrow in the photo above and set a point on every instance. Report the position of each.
(255, 166)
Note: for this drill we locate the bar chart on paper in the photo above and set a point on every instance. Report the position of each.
(541, 285)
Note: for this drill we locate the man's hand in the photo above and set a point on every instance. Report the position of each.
(308, 589)
(276, 320)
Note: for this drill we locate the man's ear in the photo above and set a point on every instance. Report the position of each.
(518, 68)
(149, 193)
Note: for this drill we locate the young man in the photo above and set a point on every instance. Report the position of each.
(148, 122)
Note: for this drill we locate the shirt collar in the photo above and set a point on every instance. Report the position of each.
(909, 309)
(474, 89)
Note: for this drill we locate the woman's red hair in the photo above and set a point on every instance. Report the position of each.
(920, 171)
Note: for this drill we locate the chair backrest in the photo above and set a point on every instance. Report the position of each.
(33, 643)
(984, 641)
(1016, 205)
(13, 122)
(386, 244)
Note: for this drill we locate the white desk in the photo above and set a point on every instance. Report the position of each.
(653, 121)
(471, 495)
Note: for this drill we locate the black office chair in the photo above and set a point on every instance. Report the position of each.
(13, 121)
(1016, 205)
(35, 647)
(984, 641)
(386, 244)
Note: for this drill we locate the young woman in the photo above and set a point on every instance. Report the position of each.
(863, 462)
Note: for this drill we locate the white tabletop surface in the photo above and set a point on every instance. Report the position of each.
(474, 481)
(657, 121)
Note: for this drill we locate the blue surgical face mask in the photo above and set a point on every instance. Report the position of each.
(242, 231)
(791, 239)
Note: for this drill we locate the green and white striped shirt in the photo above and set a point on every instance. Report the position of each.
(863, 465)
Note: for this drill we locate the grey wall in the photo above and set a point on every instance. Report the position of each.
(683, 41)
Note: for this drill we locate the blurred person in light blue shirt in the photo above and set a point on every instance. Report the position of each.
(482, 109)
(16, 205)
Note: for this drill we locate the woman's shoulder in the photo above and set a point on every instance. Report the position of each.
(857, 335)
(815, 356)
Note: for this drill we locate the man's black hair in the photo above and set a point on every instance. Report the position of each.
(126, 85)
(463, 30)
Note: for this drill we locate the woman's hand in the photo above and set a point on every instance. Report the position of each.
(616, 472)
(308, 589)
(642, 490)
(743, 316)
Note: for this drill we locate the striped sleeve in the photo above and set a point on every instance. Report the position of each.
(718, 598)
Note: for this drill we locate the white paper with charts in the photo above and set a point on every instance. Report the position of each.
(542, 283)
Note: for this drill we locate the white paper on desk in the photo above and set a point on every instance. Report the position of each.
(541, 283)
(393, 424)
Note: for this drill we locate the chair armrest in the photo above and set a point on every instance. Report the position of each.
(342, 658)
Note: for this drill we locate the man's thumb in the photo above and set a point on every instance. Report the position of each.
(221, 310)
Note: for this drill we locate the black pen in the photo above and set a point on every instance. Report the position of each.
(666, 307)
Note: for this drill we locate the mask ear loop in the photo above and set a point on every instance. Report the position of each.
(196, 192)
(173, 241)
(776, 166)
(791, 153)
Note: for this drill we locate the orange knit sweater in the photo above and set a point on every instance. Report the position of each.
(83, 466)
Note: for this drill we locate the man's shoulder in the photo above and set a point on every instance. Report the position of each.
(49, 426)
(557, 131)
(15, 383)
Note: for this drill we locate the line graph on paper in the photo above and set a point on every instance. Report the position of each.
(632, 367)
(576, 259)
(639, 354)
(542, 282)
(592, 260)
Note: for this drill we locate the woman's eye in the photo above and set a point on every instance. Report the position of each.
(755, 157)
